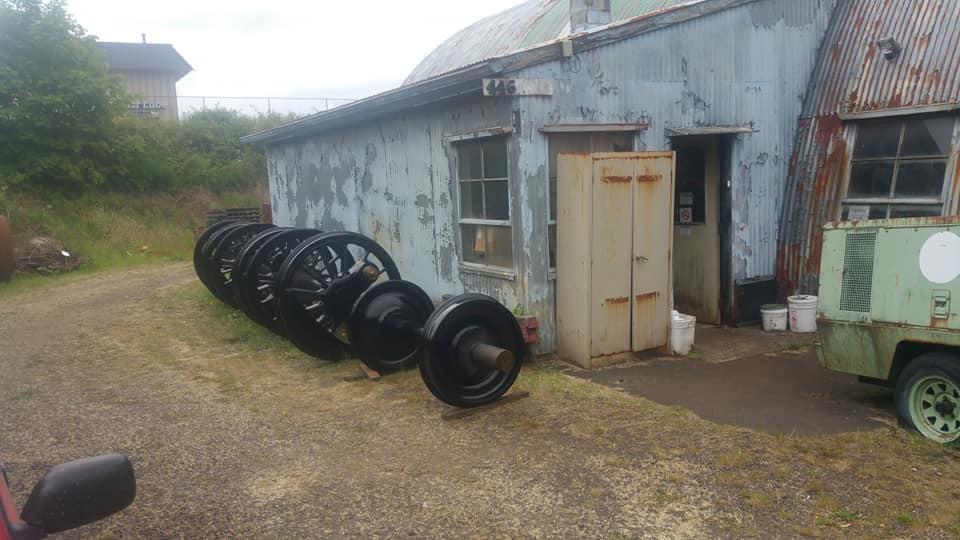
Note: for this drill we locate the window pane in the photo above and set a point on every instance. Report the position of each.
(870, 180)
(552, 231)
(921, 179)
(863, 211)
(499, 247)
(495, 159)
(902, 211)
(498, 200)
(474, 243)
(928, 137)
(877, 139)
(471, 162)
(471, 200)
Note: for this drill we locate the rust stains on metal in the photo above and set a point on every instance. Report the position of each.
(926, 72)
(646, 297)
(616, 179)
(616, 301)
(649, 178)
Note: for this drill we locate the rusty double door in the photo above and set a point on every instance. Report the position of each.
(614, 236)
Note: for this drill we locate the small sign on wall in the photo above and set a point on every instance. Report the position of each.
(686, 215)
(859, 212)
(517, 87)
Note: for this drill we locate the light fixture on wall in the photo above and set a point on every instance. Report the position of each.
(889, 48)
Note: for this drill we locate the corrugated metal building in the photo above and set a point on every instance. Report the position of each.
(458, 185)
(878, 135)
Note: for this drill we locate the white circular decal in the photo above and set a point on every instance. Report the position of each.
(940, 258)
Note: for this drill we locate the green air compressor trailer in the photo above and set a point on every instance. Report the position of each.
(890, 313)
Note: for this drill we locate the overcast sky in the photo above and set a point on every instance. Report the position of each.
(288, 48)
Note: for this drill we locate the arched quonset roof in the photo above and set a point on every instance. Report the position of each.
(521, 27)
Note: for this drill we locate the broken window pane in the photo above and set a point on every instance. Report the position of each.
(498, 200)
(495, 159)
(928, 137)
(871, 179)
(474, 242)
(471, 200)
(877, 139)
(921, 179)
(862, 211)
(499, 247)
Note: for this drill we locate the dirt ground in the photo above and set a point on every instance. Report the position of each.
(234, 434)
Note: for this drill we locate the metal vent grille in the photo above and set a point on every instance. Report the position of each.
(857, 284)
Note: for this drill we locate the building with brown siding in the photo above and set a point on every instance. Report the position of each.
(150, 72)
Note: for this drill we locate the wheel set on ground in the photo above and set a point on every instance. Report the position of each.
(340, 293)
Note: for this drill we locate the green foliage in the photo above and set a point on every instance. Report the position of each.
(65, 124)
(203, 150)
(58, 103)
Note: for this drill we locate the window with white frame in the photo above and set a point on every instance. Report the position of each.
(485, 229)
(899, 168)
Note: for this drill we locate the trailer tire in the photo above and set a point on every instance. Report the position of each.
(928, 397)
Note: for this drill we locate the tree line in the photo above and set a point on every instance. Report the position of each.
(66, 127)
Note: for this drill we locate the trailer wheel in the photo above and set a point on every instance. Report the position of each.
(928, 397)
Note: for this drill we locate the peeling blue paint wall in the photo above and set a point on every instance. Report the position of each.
(394, 179)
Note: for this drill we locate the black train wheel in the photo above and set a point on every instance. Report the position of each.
(206, 270)
(257, 276)
(384, 326)
(447, 371)
(223, 259)
(319, 283)
(199, 264)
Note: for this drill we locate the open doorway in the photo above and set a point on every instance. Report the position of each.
(699, 215)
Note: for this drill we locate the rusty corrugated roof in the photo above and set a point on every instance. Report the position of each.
(529, 24)
(856, 78)
(852, 77)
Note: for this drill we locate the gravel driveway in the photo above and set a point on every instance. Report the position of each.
(234, 434)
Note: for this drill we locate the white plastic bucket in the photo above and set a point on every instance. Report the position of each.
(774, 317)
(682, 329)
(803, 314)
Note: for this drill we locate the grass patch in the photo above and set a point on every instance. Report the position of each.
(26, 394)
(116, 230)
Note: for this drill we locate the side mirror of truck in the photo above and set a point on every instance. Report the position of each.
(80, 492)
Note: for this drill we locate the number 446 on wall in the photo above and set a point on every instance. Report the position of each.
(517, 87)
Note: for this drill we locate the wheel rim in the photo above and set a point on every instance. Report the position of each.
(935, 408)
(311, 301)
(258, 279)
(223, 259)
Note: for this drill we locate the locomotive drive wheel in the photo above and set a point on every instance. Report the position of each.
(256, 280)
(206, 270)
(319, 283)
(199, 265)
(454, 331)
(928, 397)
(223, 259)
